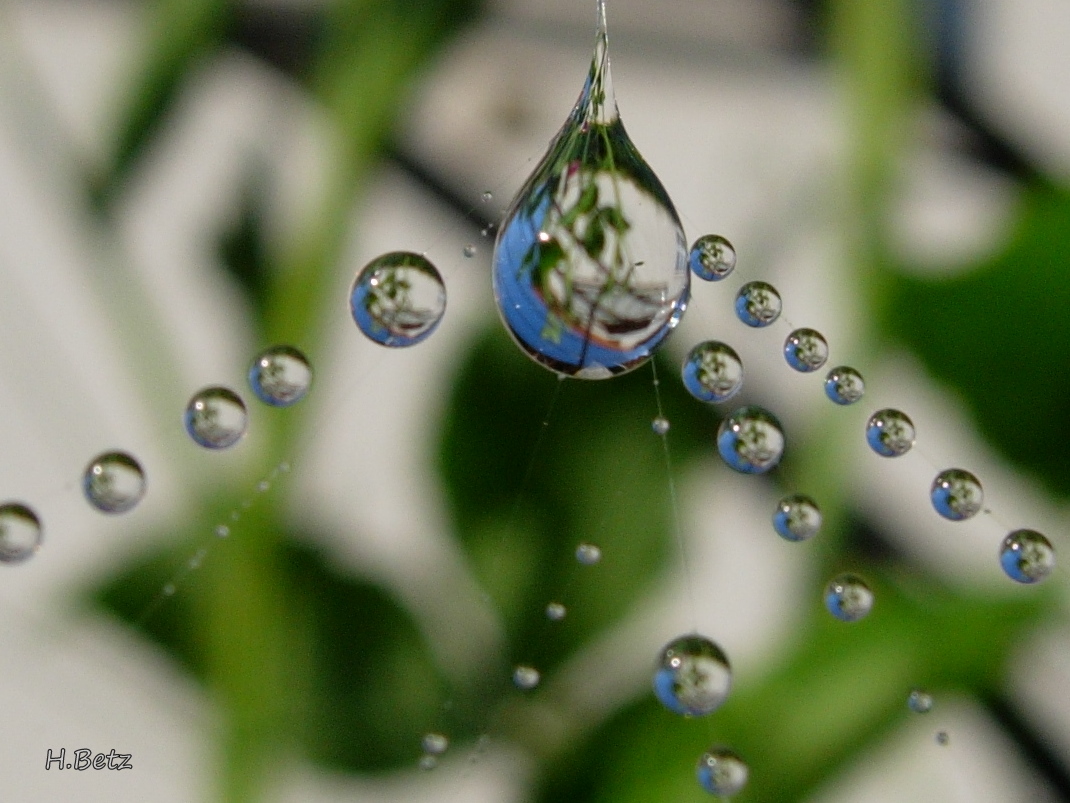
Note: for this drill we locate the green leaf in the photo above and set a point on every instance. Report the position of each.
(1000, 334)
(523, 495)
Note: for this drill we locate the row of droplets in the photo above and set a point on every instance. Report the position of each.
(751, 439)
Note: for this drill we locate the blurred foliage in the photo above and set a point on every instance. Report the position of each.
(999, 334)
(303, 657)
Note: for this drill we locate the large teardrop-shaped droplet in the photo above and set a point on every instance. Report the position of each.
(590, 264)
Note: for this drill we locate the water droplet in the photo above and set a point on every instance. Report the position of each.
(216, 418)
(942, 738)
(222, 531)
(751, 440)
(890, 433)
(712, 258)
(712, 372)
(588, 554)
(590, 266)
(722, 772)
(169, 590)
(848, 598)
(797, 518)
(470, 250)
(20, 533)
(844, 385)
(806, 350)
(435, 744)
(1027, 556)
(920, 702)
(487, 196)
(758, 304)
(692, 676)
(526, 678)
(660, 425)
(398, 299)
(114, 482)
(263, 486)
(957, 494)
(280, 376)
(284, 467)
(428, 763)
(555, 611)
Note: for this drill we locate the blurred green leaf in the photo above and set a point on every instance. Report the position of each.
(1000, 335)
(839, 692)
(524, 494)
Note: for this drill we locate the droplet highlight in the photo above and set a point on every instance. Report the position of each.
(890, 433)
(216, 418)
(919, 701)
(20, 533)
(660, 425)
(398, 299)
(470, 251)
(590, 265)
(692, 677)
(848, 598)
(526, 678)
(555, 611)
(797, 518)
(712, 258)
(588, 554)
(280, 376)
(114, 482)
(806, 350)
(844, 385)
(751, 440)
(435, 744)
(956, 494)
(722, 772)
(758, 304)
(712, 372)
(1027, 556)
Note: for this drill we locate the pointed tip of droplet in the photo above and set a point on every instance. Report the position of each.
(597, 103)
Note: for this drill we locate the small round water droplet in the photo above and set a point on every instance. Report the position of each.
(588, 554)
(435, 744)
(555, 611)
(427, 762)
(722, 772)
(263, 486)
(20, 533)
(844, 385)
(692, 676)
(797, 518)
(848, 598)
(487, 196)
(751, 440)
(169, 590)
(590, 266)
(890, 433)
(942, 738)
(398, 299)
(660, 425)
(920, 702)
(526, 678)
(806, 350)
(470, 250)
(216, 418)
(957, 494)
(712, 372)
(1027, 556)
(712, 258)
(114, 482)
(284, 467)
(222, 531)
(280, 376)
(758, 304)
